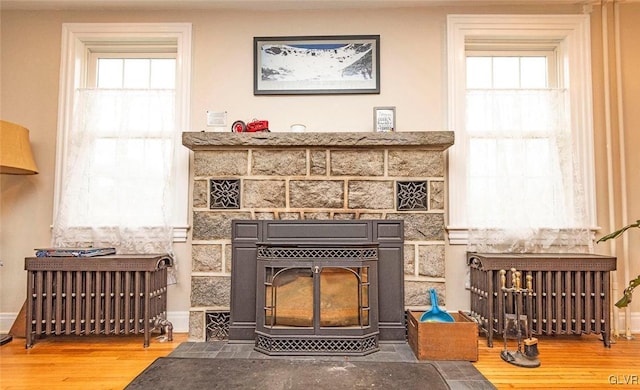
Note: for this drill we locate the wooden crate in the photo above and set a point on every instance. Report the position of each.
(443, 340)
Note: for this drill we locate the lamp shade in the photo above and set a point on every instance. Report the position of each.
(15, 150)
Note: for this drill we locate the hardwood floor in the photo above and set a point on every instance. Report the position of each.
(76, 362)
(112, 362)
(567, 362)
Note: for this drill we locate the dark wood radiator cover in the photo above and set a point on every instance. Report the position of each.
(118, 294)
(571, 292)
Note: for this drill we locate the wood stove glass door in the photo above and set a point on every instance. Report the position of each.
(344, 296)
(317, 296)
(289, 297)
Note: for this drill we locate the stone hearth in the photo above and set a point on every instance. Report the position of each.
(327, 176)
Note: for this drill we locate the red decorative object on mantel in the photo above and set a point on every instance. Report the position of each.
(251, 127)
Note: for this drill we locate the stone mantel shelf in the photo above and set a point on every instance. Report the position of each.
(432, 140)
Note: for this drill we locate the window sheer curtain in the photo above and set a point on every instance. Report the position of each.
(524, 188)
(118, 172)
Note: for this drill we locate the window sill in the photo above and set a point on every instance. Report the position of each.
(180, 233)
(460, 235)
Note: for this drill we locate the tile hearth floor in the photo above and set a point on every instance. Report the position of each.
(458, 374)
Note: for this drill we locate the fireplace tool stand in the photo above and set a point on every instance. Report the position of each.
(515, 324)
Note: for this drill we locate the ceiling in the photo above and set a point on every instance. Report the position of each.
(254, 4)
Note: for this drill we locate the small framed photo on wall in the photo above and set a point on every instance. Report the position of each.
(384, 119)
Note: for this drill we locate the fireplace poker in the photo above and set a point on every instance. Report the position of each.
(530, 343)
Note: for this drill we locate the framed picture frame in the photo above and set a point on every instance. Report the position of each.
(308, 65)
(384, 119)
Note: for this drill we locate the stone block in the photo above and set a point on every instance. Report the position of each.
(421, 227)
(206, 258)
(416, 163)
(215, 225)
(318, 162)
(279, 162)
(227, 258)
(367, 194)
(370, 215)
(431, 260)
(357, 163)
(316, 194)
(217, 163)
(289, 215)
(409, 259)
(200, 193)
(196, 326)
(264, 194)
(210, 291)
(318, 215)
(436, 195)
(416, 293)
(262, 215)
(344, 216)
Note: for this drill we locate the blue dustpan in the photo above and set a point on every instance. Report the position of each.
(435, 314)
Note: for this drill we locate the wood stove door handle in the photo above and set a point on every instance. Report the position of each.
(316, 269)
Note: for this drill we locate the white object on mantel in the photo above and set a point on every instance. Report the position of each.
(298, 128)
(216, 118)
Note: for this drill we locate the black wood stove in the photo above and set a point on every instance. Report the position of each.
(317, 287)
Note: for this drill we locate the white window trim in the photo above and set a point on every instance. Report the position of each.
(572, 34)
(76, 38)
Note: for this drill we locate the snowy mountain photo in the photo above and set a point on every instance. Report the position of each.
(317, 65)
(315, 62)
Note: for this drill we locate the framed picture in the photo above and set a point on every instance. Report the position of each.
(341, 64)
(384, 119)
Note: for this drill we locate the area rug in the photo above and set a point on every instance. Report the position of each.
(277, 374)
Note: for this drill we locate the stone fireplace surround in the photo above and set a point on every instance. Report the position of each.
(325, 176)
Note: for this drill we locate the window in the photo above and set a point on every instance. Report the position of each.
(522, 165)
(125, 71)
(121, 173)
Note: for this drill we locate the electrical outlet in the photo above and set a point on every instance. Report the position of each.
(216, 118)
